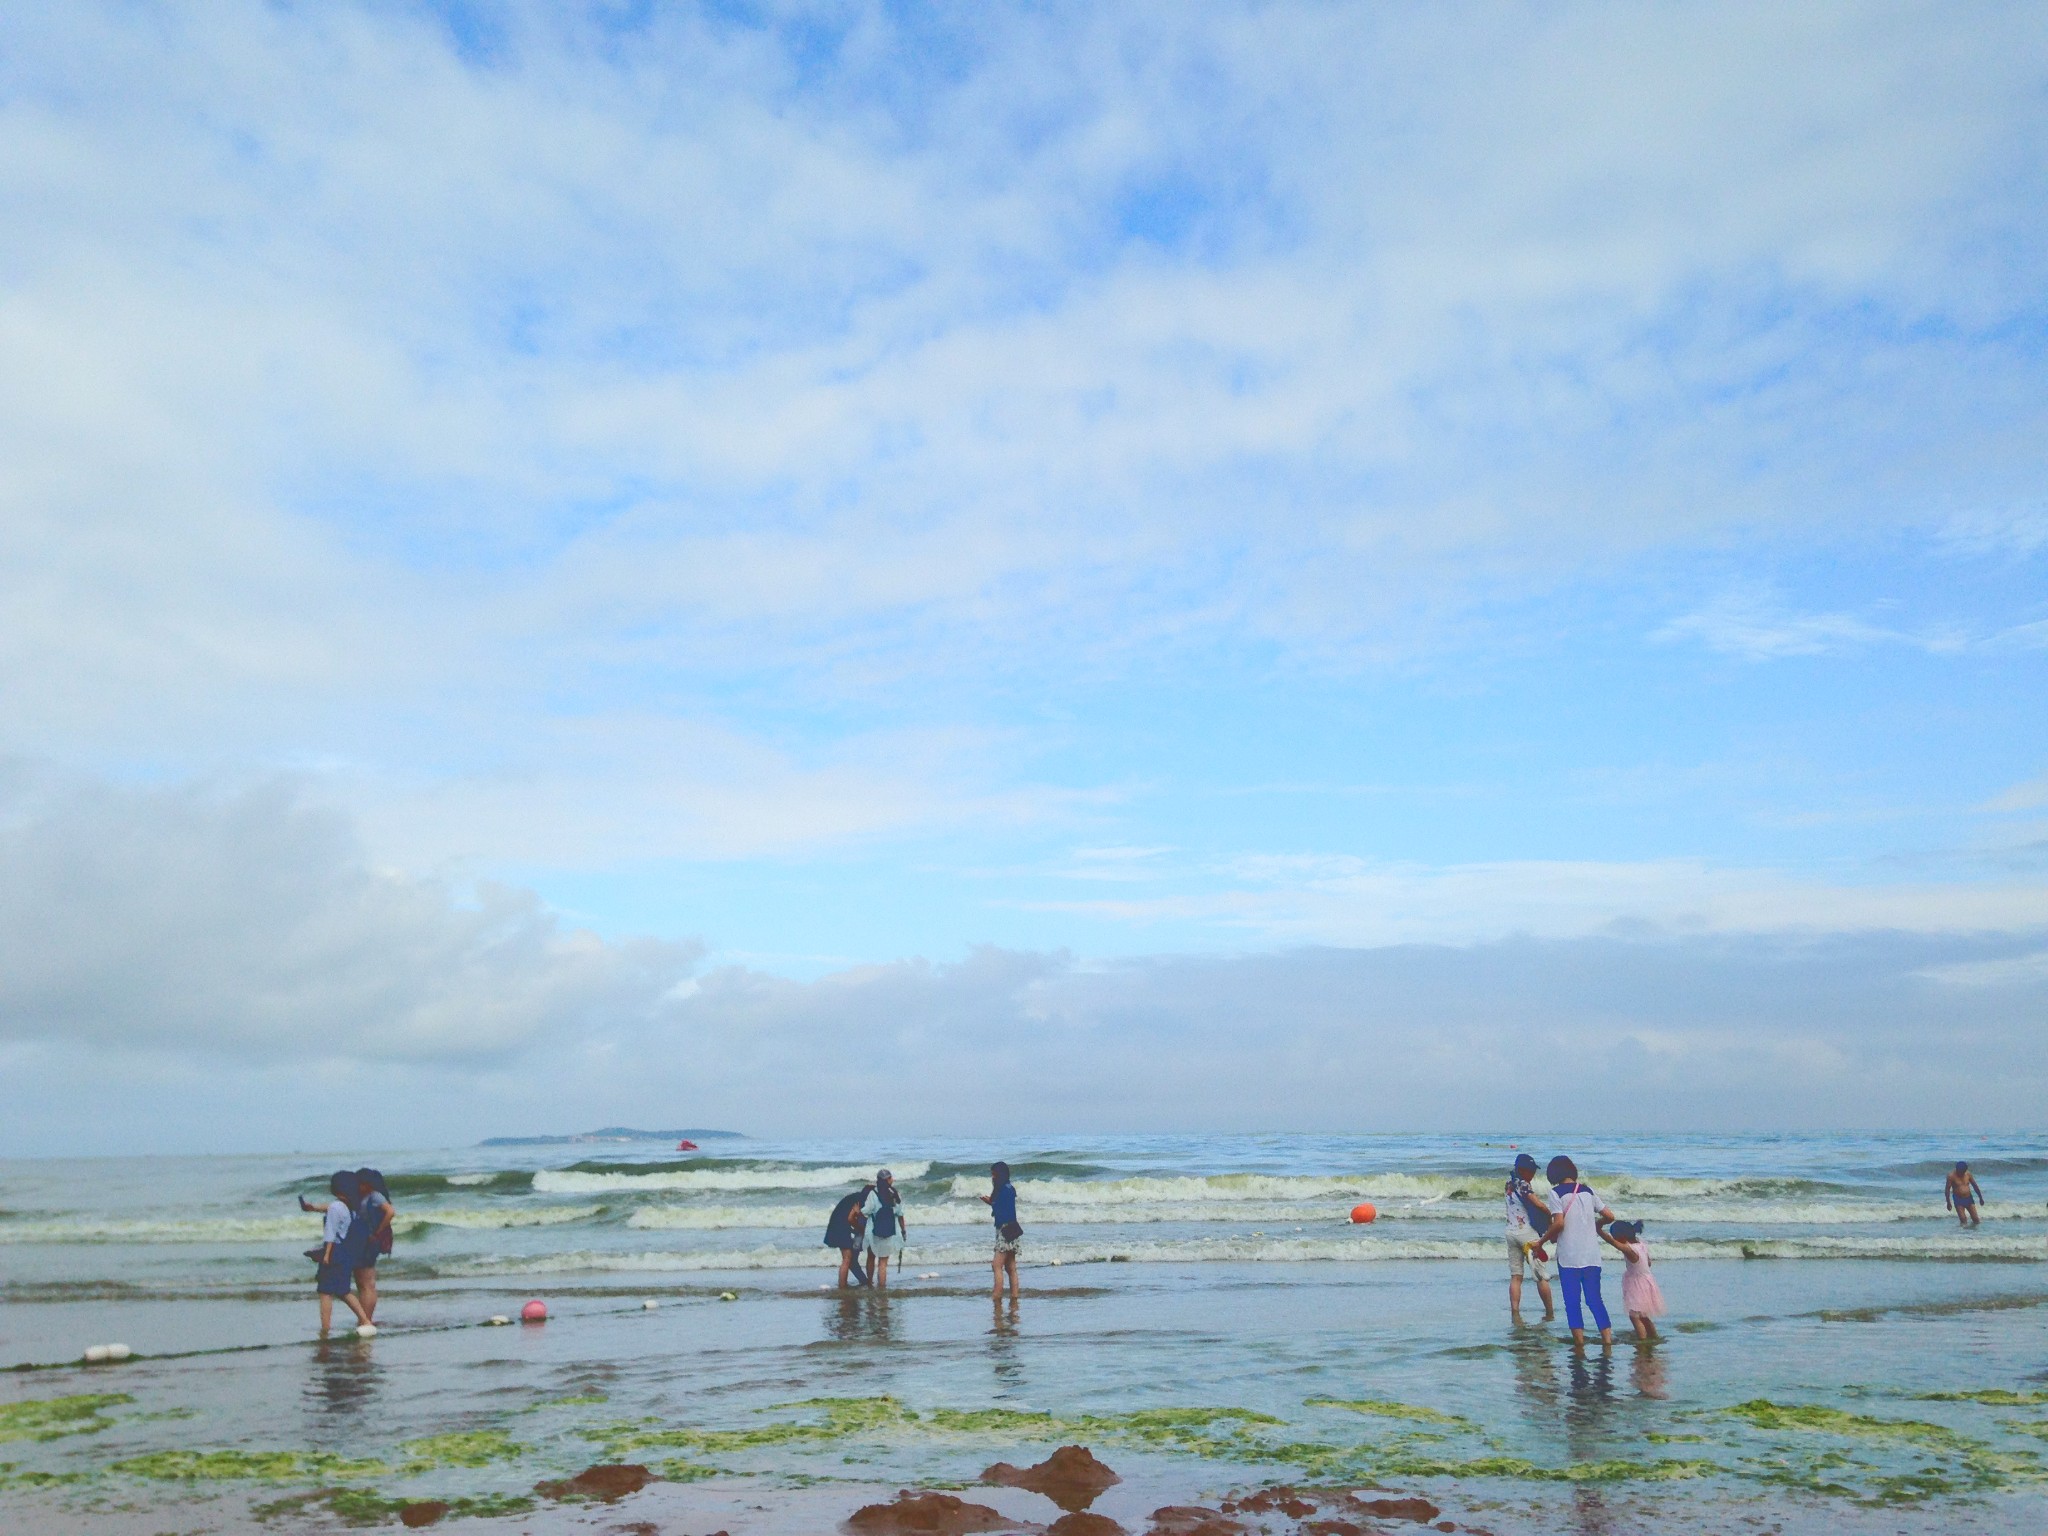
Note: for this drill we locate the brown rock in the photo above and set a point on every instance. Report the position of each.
(1081, 1523)
(424, 1512)
(1333, 1528)
(926, 1514)
(607, 1483)
(1445, 1525)
(1290, 1502)
(1194, 1520)
(1421, 1511)
(1071, 1477)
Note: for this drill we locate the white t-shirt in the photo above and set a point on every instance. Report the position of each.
(336, 1226)
(1518, 1215)
(1578, 1245)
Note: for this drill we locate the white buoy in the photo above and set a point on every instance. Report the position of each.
(96, 1355)
(1055, 1263)
(118, 1351)
(728, 1295)
(649, 1306)
(366, 1330)
(500, 1320)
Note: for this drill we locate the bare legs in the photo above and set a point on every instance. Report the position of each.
(327, 1310)
(366, 1287)
(1005, 1264)
(1542, 1290)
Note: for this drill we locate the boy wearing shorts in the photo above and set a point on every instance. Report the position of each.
(1528, 1218)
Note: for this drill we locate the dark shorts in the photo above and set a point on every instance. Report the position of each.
(332, 1280)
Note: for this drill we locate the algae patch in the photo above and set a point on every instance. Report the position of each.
(1387, 1409)
(469, 1448)
(1762, 1413)
(362, 1507)
(51, 1418)
(241, 1466)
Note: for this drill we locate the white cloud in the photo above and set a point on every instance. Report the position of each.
(336, 362)
(1344, 899)
(246, 922)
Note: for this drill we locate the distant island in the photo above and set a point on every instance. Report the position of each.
(611, 1133)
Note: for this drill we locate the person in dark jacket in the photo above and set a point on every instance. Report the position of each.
(843, 1231)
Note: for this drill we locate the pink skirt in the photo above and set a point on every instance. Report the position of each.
(1639, 1293)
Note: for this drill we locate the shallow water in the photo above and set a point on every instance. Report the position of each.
(1815, 1387)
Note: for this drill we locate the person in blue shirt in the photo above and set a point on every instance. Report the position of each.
(338, 1248)
(1001, 1201)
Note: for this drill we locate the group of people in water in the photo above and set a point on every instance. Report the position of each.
(870, 1223)
(355, 1231)
(1574, 1221)
(1568, 1219)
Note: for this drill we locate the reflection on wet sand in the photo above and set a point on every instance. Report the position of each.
(345, 1379)
(862, 1317)
(1002, 1345)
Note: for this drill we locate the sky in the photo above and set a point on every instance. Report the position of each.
(1053, 567)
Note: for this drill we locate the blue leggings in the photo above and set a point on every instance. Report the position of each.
(1583, 1282)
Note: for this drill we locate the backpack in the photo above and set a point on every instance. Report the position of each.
(884, 1223)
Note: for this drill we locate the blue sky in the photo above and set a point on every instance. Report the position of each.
(563, 534)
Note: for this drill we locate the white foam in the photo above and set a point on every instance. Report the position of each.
(568, 1181)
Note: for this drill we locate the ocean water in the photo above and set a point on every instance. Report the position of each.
(1199, 1310)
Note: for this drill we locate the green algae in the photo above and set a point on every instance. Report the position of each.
(2038, 1427)
(1387, 1409)
(362, 1507)
(695, 1472)
(239, 1466)
(1997, 1397)
(51, 1418)
(468, 1448)
(1656, 1438)
(1762, 1413)
(12, 1476)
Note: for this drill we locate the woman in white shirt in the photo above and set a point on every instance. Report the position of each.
(1575, 1237)
(886, 1228)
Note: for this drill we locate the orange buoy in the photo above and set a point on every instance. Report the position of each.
(1361, 1214)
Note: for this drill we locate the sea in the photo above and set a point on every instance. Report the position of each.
(1201, 1312)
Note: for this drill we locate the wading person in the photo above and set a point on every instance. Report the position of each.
(886, 1227)
(1528, 1220)
(1962, 1194)
(1001, 1201)
(843, 1231)
(1575, 1233)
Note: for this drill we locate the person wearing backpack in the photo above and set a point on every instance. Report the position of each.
(1528, 1220)
(1575, 1230)
(842, 1231)
(886, 1227)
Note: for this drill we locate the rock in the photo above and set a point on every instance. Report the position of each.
(1194, 1520)
(1421, 1511)
(607, 1482)
(1290, 1502)
(926, 1514)
(1071, 1477)
(425, 1512)
(1081, 1523)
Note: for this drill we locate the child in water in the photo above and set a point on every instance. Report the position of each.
(1640, 1295)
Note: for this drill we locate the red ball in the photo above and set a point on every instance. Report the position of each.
(535, 1311)
(1364, 1213)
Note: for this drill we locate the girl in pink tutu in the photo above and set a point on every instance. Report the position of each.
(1640, 1296)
